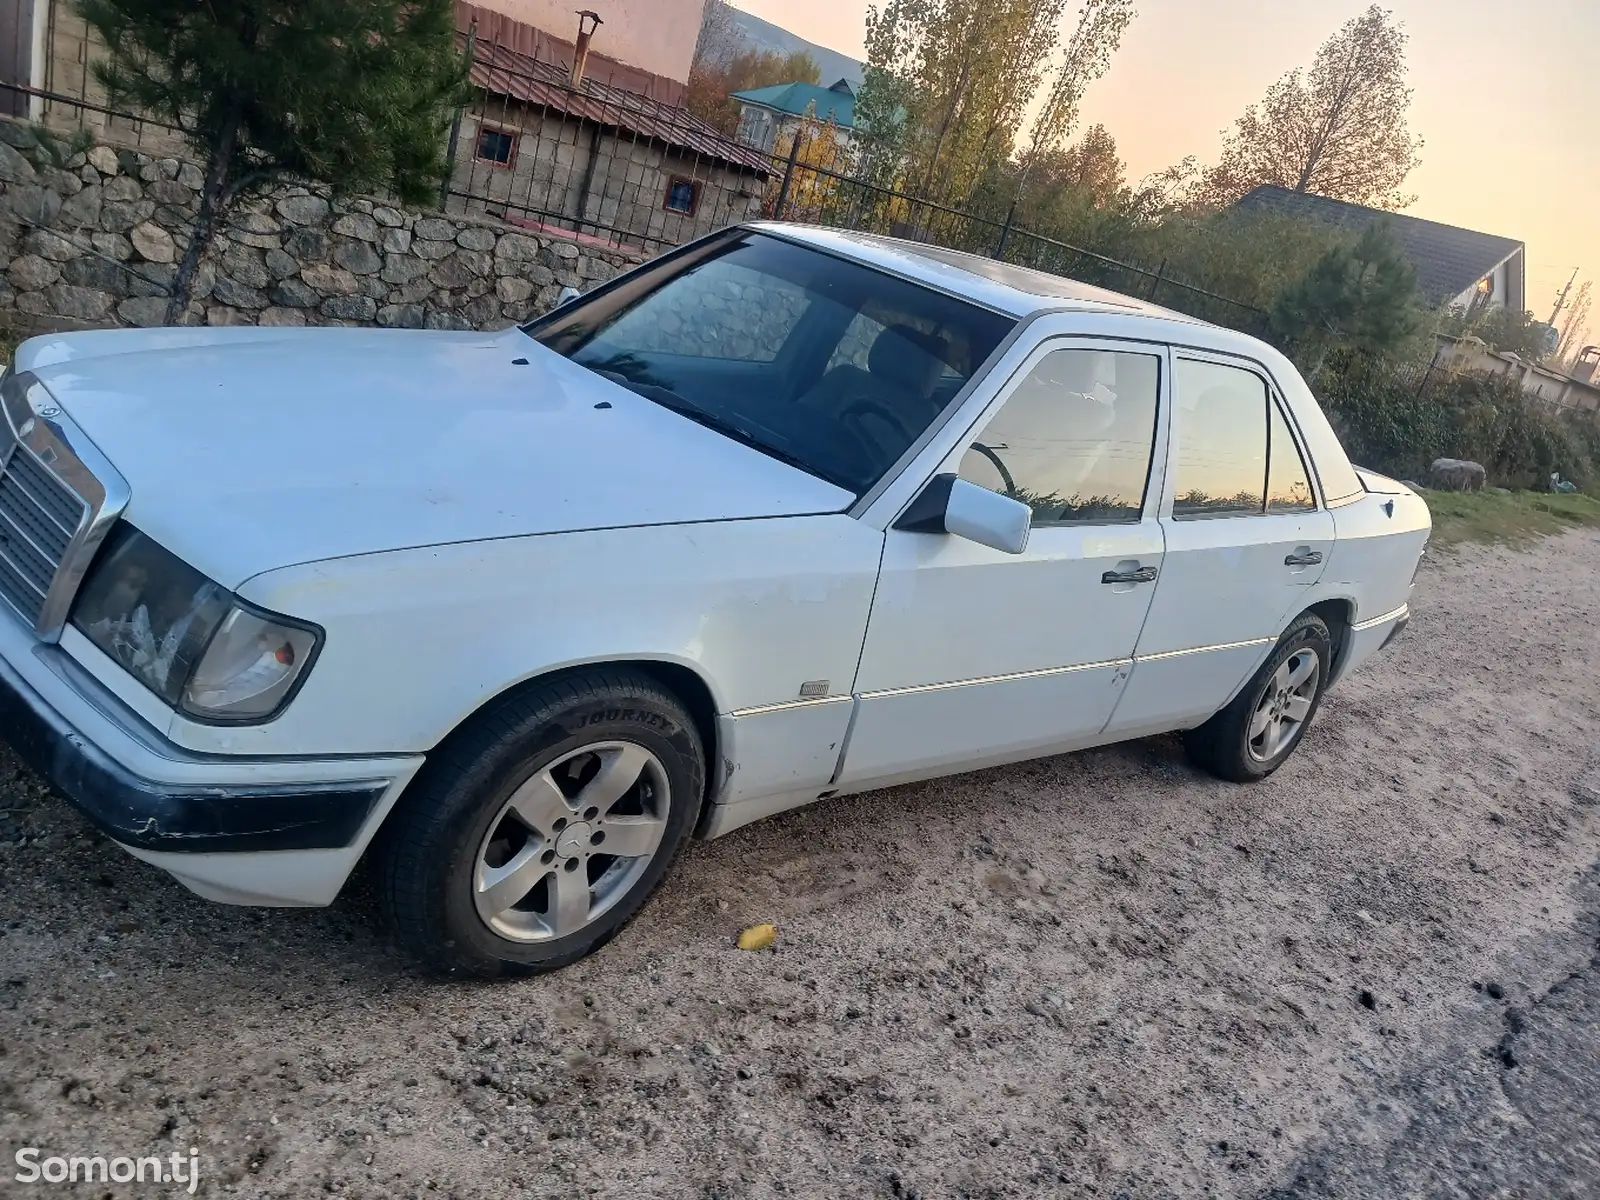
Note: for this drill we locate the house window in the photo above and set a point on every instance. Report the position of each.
(496, 146)
(1486, 284)
(683, 196)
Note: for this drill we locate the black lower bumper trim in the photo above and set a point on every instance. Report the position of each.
(160, 816)
(1399, 628)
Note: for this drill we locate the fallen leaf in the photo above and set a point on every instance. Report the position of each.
(758, 937)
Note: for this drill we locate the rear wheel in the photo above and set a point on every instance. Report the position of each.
(1253, 736)
(534, 836)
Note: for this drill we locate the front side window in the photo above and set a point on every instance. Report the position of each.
(1220, 423)
(1073, 441)
(819, 361)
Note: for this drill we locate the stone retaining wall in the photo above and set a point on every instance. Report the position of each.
(95, 242)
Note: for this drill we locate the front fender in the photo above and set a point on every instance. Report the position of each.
(418, 640)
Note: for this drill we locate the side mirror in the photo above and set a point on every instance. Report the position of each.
(567, 296)
(949, 504)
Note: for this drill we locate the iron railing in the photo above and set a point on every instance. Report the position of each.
(626, 171)
(601, 162)
(63, 113)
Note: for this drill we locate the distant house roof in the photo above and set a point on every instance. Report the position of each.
(836, 103)
(495, 28)
(502, 71)
(1449, 260)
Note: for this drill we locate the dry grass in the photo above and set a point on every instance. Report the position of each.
(1512, 517)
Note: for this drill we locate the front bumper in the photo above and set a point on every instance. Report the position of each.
(146, 814)
(250, 831)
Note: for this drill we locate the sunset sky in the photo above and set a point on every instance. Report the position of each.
(1507, 97)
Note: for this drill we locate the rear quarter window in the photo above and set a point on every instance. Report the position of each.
(1329, 462)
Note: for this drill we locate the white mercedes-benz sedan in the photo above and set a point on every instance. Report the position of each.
(781, 515)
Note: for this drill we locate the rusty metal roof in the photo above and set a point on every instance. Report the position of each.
(504, 72)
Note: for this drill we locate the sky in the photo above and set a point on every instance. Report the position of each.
(1507, 100)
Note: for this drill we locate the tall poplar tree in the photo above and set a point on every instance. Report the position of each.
(1337, 130)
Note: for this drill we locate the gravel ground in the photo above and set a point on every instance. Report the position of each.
(1100, 975)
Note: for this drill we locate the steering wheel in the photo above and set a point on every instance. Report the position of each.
(871, 408)
(1005, 475)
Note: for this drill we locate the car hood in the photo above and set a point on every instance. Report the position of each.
(251, 450)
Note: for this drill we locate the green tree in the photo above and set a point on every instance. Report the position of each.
(1501, 328)
(713, 80)
(1085, 58)
(1338, 130)
(1362, 297)
(356, 94)
(1250, 257)
(1076, 195)
(949, 82)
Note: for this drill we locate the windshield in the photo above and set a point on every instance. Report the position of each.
(823, 363)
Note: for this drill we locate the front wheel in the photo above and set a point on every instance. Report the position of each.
(1253, 736)
(535, 835)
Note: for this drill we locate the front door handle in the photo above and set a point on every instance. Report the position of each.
(1142, 575)
(1309, 559)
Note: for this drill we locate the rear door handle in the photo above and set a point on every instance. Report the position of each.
(1309, 559)
(1142, 575)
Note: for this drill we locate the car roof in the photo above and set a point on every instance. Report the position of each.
(1017, 291)
(1021, 292)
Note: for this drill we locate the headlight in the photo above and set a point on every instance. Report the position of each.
(189, 641)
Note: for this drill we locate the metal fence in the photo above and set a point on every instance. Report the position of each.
(639, 173)
(62, 113)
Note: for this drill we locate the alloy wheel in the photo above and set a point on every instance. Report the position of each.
(1284, 705)
(571, 841)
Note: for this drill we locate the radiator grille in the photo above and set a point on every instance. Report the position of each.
(38, 517)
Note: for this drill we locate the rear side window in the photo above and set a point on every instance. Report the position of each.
(1073, 440)
(1288, 481)
(1220, 423)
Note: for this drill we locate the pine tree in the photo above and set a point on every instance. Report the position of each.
(1362, 296)
(356, 94)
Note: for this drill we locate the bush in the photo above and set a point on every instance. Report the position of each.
(1250, 257)
(1398, 422)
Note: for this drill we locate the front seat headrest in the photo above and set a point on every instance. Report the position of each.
(907, 358)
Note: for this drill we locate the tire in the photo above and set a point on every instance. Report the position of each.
(524, 795)
(1255, 734)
